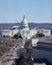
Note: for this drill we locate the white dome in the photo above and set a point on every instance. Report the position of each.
(24, 23)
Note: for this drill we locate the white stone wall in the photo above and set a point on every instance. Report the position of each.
(33, 32)
(34, 42)
(9, 33)
(14, 32)
(45, 32)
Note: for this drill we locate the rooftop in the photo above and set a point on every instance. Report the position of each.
(46, 40)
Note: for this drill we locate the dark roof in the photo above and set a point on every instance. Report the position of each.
(41, 60)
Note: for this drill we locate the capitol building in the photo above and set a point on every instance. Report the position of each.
(42, 47)
(24, 30)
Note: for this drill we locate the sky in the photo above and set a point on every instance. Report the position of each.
(36, 11)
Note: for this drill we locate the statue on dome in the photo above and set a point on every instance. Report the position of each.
(23, 17)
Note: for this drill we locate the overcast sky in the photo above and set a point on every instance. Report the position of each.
(37, 11)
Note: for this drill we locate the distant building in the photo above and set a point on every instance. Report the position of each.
(45, 31)
(24, 31)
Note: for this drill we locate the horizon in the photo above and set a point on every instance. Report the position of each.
(28, 22)
(36, 11)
